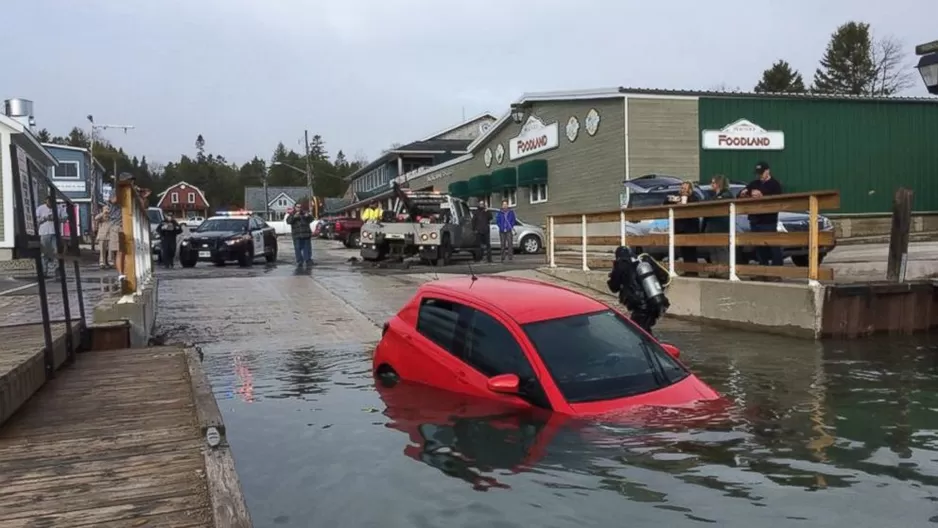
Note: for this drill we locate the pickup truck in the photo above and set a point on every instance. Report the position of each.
(348, 231)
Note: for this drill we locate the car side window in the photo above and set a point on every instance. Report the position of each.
(492, 349)
(646, 199)
(439, 321)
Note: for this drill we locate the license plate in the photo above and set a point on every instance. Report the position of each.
(395, 235)
(205, 254)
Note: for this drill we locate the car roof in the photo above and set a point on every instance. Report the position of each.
(524, 300)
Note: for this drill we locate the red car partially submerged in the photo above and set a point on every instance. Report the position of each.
(529, 344)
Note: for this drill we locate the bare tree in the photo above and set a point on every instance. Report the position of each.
(157, 169)
(723, 87)
(893, 70)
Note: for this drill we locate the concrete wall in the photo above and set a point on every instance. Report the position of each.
(778, 308)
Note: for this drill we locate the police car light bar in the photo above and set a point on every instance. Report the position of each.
(234, 213)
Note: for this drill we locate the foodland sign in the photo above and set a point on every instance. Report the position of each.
(535, 137)
(743, 135)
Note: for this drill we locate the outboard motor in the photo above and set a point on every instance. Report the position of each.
(638, 281)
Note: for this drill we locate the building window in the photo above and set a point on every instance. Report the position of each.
(191, 198)
(174, 198)
(282, 202)
(511, 195)
(539, 193)
(66, 170)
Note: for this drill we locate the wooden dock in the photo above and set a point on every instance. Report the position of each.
(22, 362)
(121, 438)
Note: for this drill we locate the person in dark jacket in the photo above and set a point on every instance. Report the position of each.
(719, 224)
(686, 226)
(299, 221)
(169, 230)
(481, 218)
(764, 185)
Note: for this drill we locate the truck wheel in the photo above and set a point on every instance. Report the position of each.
(355, 240)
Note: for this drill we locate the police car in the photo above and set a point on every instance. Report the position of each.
(238, 236)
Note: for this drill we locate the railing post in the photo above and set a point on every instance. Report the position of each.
(551, 234)
(732, 253)
(671, 242)
(128, 244)
(583, 234)
(622, 228)
(812, 240)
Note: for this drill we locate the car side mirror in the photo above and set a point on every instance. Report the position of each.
(504, 383)
(672, 350)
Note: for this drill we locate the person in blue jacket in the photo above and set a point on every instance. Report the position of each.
(505, 220)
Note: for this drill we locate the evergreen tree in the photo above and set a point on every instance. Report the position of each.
(340, 161)
(317, 148)
(780, 78)
(847, 66)
(44, 136)
(200, 146)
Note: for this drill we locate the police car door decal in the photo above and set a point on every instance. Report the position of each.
(258, 236)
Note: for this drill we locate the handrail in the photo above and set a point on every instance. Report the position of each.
(813, 238)
(135, 238)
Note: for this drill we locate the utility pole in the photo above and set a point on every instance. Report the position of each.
(309, 177)
(266, 196)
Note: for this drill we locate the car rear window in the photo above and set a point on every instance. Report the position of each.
(601, 356)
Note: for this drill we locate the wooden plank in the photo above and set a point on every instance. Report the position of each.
(794, 202)
(227, 499)
(814, 238)
(94, 447)
(790, 239)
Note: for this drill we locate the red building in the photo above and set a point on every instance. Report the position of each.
(184, 200)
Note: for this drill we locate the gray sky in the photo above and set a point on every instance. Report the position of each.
(367, 73)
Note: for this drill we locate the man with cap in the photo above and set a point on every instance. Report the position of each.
(764, 185)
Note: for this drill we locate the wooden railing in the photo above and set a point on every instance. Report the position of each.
(135, 239)
(583, 240)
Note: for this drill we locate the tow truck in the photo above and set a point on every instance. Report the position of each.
(426, 224)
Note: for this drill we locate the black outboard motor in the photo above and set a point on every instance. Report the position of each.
(638, 281)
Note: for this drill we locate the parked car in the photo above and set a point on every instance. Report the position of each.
(526, 238)
(348, 231)
(654, 189)
(532, 345)
(155, 215)
(192, 222)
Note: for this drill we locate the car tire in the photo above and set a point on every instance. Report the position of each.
(446, 251)
(272, 255)
(802, 260)
(387, 376)
(354, 241)
(530, 244)
(187, 263)
(247, 258)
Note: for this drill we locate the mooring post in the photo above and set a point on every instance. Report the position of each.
(899, 235)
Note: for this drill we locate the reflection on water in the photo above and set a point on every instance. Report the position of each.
(841, 434)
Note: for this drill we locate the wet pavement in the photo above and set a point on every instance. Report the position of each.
(834, 434)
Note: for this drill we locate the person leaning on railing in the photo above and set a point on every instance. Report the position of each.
(719, 224)
(686, 226)
(764, 185)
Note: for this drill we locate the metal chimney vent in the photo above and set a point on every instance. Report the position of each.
(20, 110)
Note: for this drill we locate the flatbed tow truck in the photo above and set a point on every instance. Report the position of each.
(426, 224)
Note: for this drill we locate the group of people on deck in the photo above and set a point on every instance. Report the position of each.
(763, 185)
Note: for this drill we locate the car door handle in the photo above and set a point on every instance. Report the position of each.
(408, 337)
(461, 373)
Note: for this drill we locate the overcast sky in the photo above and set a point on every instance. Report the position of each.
(367, 73)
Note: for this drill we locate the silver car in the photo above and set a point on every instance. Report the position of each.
(526, 238)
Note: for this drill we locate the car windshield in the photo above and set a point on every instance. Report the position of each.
(601, 356)
(223, 224)
(155, 216)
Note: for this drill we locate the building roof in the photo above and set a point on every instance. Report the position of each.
(622, 91)
(19, 128)
(333, 205)
(524, 300)
(53, 146)
(460, 125)
(254, 199)
(433, 146)
(177, 184)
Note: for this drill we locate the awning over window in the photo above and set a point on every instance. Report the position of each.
(480, 185)
(505, 178)
(460, 189)
(532, 173)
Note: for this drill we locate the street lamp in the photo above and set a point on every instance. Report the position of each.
(928, 65)
(517, 113)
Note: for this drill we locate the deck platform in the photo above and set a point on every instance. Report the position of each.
(22, 361)
(117, 439)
